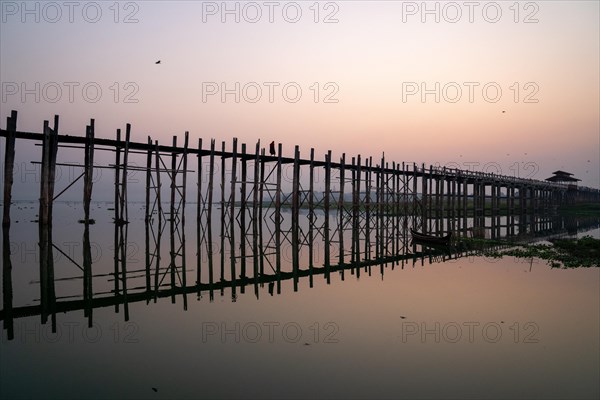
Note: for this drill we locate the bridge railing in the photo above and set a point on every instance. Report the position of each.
(488, 176)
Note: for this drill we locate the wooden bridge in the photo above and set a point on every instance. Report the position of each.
(360, 212)
(383, 188)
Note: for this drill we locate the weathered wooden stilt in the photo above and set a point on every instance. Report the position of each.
(341, 212)
(326, 199)
(296, 217)
(311, 215)
(278, 220)
(9, 161)
(89, 170)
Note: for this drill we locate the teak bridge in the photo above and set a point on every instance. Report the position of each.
(361, 213)
(383, 188)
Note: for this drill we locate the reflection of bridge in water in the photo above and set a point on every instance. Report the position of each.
(225, 270)
(357, 219)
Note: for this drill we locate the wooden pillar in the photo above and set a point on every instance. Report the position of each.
(9, 161)
(424, 197)
(148, 213)
(223, 205)
(199, 208)
(148, 180)
(232, 190)
(255, 219)
(356, 214)
(392, 209)
(243, 206)
(89, 170)
(465, 203)
(232, 198)
(368, 185)
(260, 211)
(182, 220)
(326, 210)
(160, 215)
(211, 180)
(124, 205)
(116, 216)
(311, 213)
(341, 208)
(296, 217)
(430, 200)
(354, 233)
(48, 169)
(414, 200)
(172, 216)
(278, 219)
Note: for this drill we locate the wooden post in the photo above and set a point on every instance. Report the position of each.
(48, 168)
(341, 210)
(172, 252)
(393, 207)
(7, 290)
(45, 169)
(359, 202)
(148, 180)
(255, 220)
(278, 219)
(296, 217)
(260, 211)
(415, 200)
(381, 201)
(89, 170)
(354, 200)
(355, 217)
(452, 203)
(52, 165)
(232, 247)
(327, 261)
(368, 185)
(117, 178)
(243, 206)
(9, 161)
(211, 175)
(148, 218)
(223, 205)
(160, 215)
(116, 217)
(465, 203)
(232, 190)
(311, 213)
(424, 197)
(182, 221)
(199, 212)
(124, 217)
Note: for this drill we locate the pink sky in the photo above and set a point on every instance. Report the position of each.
(370, 57)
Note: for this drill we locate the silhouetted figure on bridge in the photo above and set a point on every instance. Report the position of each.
(272, 148)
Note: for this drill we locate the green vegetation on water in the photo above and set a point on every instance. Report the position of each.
(588, 209)
(565, 253)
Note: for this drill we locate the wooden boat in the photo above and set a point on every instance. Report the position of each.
(430, 239)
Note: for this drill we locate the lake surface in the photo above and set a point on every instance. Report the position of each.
(412, 324)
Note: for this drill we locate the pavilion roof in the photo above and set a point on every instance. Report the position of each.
(562, 178)
(559, 172)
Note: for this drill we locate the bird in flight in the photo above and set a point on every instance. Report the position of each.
(272, 148)
(158, 62)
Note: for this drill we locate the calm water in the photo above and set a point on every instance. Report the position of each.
(469, 327)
